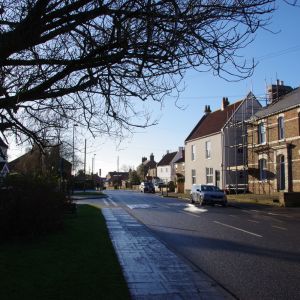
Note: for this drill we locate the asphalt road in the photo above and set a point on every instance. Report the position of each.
(251, 251)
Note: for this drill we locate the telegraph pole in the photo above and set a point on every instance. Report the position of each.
(84, 169)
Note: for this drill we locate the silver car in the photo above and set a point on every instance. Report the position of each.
(207, 194)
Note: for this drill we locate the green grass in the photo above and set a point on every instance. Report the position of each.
(77, 263)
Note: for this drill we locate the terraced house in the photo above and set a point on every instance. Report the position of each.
(216, 149)
(274, 143)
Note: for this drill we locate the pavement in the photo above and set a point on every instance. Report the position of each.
(153, 271)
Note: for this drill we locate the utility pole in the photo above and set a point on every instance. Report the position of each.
(73, 154)
(84, 169)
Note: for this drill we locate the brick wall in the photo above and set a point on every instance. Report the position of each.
(289, 147)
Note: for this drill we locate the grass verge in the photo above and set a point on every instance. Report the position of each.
(77, 263)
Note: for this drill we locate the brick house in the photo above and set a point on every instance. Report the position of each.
(147, 169)
(215, 150)
(116, 179)
(37, 162)
(274, 143)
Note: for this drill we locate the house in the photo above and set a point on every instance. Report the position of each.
(216, 149)
(179, 163)
(4, 170)
(147, 169)
(165, 167)
(37, 162)
(274, 143)
(116, 179)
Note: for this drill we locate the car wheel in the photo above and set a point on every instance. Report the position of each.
(224, 204)
(192, 199)
(201, 201)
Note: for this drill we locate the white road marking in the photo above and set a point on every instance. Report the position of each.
(255, 210)
(282, 228)
(272, 214)
(105, 202)
(233, 216)
(113, 202)
(236, 228)
(134, 206)
(193, 209)
(253, 221)
(193, 215)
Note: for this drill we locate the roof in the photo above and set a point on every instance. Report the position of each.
(181, 159)
(285, 102)
(151, 164)
(213, 122)
(2, 144)
(166, 160)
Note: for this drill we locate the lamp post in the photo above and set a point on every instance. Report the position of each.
(73, 156)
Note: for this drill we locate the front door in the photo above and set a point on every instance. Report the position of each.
(281, 173)
(217, 178)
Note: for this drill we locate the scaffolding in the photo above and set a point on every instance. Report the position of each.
(235, 149)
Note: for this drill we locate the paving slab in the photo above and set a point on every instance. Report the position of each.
(153, 271)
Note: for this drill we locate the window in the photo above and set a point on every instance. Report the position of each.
(207, 149)
(280, 128)
(193, 176)
(261, 133)
(209, 175)
(161, 169)
(193, 152)
(262, 169)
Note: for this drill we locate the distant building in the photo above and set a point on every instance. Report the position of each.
(116, 179)
(147, 169)
(165, 167)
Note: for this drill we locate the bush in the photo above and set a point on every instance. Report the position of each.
(30, 206)
(171, 186)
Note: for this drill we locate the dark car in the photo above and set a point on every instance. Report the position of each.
(147, 187)
(208, 194)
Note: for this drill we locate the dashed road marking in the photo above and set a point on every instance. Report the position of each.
(239, 229)
(278, 227)
(253, 221)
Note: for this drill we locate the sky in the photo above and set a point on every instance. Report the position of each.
(278, 56)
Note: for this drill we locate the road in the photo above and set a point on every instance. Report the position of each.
(252, 252)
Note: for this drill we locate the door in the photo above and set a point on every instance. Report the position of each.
(217, 178)
(281, 173)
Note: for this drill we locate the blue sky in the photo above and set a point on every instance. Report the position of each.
(278, 56)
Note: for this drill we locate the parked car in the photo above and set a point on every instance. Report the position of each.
(147, 187)
(207, 194)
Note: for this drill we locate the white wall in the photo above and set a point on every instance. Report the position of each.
(201, 162)
(164, 173)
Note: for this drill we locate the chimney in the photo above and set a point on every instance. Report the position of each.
(225, 103)
(275, 91)
(151, 157)
(207, 109)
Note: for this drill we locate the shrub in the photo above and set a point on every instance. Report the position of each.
(171, 186)
(30, 206)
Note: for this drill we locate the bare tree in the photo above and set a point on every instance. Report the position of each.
(96, 62)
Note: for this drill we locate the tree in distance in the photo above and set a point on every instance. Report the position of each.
(97, 63)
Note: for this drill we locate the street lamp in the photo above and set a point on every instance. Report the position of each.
(73, 158)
